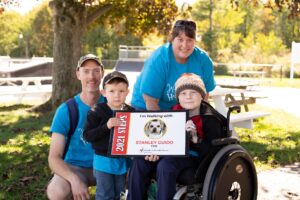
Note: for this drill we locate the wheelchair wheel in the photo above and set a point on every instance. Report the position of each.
(188, 192)
(231, 175)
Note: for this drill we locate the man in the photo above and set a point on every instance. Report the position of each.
(74, 173)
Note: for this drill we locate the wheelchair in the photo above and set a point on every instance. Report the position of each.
(227, 174)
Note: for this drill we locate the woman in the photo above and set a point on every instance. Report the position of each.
(154, 89)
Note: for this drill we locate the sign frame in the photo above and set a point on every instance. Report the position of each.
(145, 144)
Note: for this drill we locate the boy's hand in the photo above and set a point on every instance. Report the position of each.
(152, 158)
(112, 122)
(190, 127)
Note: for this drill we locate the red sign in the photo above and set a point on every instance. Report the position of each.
(120, 137)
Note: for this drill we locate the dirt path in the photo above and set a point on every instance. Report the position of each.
(280, 183)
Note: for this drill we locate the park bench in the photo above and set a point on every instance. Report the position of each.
(243, 119)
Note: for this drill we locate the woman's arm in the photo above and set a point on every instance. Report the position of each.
(151, 103)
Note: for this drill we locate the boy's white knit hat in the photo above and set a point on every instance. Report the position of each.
(190, 81)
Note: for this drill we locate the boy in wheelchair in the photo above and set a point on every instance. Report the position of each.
(204, 125)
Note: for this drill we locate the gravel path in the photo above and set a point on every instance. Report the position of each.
(280, 183)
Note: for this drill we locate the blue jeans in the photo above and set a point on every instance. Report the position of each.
(109, 186)
(167, 170)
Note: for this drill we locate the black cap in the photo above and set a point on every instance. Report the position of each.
(89, 57)
(113, 75)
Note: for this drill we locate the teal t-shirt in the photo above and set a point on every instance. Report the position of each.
(161, 71)
(117, 166)
(80, 153)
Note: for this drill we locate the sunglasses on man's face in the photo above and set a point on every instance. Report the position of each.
(185, 23)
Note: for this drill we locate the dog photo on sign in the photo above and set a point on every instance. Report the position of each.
(155, 128)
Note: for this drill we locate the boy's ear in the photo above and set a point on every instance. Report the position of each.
(128, 90)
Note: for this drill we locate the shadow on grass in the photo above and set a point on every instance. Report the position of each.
(24, 124)
(14, 107)
(24, 170)
(276, 151)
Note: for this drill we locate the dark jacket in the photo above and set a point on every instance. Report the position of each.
(95, 129)
(212, 125)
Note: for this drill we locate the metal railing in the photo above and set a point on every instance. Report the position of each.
(135, 52)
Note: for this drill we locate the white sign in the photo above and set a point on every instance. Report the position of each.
(150, 133)
(295, 52)
(295, 57)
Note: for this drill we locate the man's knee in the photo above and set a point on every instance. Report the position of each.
(58, 189)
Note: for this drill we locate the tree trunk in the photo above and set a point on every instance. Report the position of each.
(69, 24)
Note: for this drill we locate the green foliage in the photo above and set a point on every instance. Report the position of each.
(249, 33)
(11, 27)
(127, 17)
(28, 35)
(225, 23)
(105, 40)
(42, 32)
(142, 17)
(221, 69)
(269, 44)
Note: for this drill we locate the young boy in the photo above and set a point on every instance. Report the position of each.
(204, 125)
(110, 173)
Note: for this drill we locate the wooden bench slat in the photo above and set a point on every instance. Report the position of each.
(245, 119)
(247, 116)
(250, 100)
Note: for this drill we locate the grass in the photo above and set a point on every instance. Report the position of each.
(24, 148)
(274, 82)
(24, 144)
(274, 141)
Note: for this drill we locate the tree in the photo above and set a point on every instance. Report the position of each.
(42, 32)
(105, 41)
(10, 22)
(71, 19)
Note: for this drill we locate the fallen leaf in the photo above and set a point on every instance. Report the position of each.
(27, 178)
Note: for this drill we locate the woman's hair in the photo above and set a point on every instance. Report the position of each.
(183, 26)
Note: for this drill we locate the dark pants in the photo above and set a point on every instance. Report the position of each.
(167, 170)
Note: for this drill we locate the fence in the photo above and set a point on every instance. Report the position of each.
(135, 52)
(267, 69)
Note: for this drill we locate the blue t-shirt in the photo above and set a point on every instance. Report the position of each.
(117, 166)
(80, 153)
(161, 71)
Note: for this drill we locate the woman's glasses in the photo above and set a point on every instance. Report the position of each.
(185, 23)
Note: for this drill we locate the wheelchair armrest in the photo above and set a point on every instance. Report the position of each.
(222, 141)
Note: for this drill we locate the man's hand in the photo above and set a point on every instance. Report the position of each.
(152, 158)
(79, 189)
(190, 127)
(112, 122)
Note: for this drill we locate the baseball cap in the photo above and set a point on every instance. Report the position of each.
(89, 57)
(114, 75)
